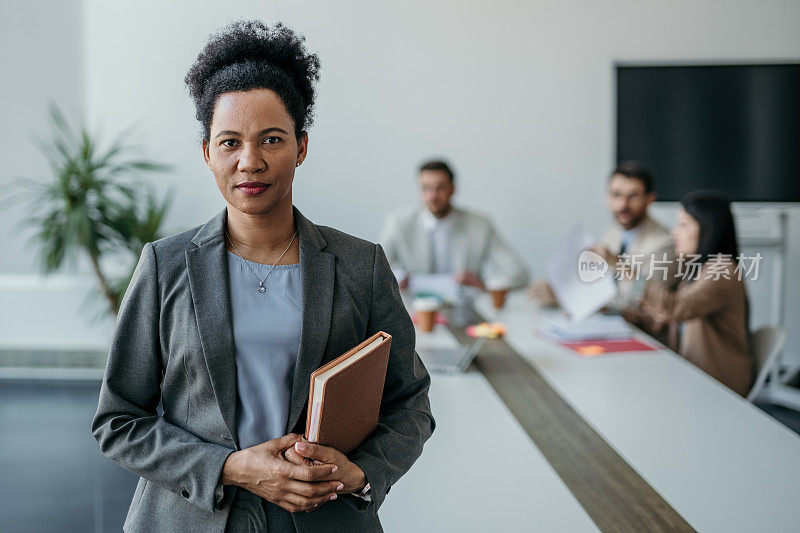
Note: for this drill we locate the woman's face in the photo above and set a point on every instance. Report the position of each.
(686, 233)
(253, 150)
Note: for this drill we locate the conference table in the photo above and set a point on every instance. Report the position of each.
(547, 440)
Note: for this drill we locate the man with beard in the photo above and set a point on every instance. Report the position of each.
(634, 238)
(436, 237)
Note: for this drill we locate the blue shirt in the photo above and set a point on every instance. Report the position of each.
(266, 338)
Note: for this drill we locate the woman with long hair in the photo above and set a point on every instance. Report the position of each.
(707, 314)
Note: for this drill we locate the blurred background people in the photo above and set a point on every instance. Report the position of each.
(438, 238)
(634, 236)
(707, 315)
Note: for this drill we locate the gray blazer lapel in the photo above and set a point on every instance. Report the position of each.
(317, 270)
(207, 266)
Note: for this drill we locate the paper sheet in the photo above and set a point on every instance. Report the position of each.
(443, 286)
(593, 327)
(579, 298)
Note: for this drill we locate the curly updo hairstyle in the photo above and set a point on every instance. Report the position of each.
(250, 55)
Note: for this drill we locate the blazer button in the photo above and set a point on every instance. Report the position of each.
(185, 493)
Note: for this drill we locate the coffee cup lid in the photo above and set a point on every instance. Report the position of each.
(426, 304)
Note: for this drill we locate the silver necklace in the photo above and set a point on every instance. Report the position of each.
(261, 287)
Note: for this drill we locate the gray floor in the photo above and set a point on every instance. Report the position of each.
(52, 475)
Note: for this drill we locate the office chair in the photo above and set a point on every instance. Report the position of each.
(765, 345)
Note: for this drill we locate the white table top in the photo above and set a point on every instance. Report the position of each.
(479, 471)
(720, 462)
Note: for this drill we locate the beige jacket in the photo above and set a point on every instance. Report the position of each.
(476, 246)
(708, 323)
(653, 240)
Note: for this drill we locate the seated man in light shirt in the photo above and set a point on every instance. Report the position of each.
(439, 238)
(633, 236)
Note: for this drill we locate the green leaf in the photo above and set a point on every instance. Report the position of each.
(91, 203)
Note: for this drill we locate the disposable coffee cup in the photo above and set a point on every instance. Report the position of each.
(498, 288)
(498, 297)
(425, 313)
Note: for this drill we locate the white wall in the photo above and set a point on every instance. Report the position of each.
(41, 61)
(518, 95)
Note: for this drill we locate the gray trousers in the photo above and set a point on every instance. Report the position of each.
(253, 514)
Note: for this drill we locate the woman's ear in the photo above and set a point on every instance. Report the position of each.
(206, 155)
(302, 147)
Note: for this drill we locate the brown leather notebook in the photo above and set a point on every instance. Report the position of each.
(344, 400)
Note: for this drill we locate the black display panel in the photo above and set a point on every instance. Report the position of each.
(734, 128)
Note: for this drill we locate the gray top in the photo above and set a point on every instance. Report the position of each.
(266, 339)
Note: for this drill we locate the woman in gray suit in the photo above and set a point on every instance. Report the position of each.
(223, 324)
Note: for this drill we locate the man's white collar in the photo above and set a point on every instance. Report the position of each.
(431, 222)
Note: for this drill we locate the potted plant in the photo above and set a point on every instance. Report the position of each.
(92, 205)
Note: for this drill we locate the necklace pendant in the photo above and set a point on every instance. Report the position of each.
(261, 288)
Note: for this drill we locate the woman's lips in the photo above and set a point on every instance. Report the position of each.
(253, 188)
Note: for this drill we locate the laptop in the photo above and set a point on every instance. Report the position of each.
(441, 352)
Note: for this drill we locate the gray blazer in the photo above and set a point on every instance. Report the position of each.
(173, 345)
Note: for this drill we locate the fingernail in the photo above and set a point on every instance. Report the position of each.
(340, 487)
(334, 469)
(300, 446)
(333, 497)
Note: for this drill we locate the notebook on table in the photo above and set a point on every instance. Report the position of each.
(593, 327)
(344, 398)
(590, 348)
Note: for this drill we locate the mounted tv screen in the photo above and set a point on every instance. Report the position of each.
(734, 128)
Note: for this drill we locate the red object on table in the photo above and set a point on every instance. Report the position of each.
(590, 348)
